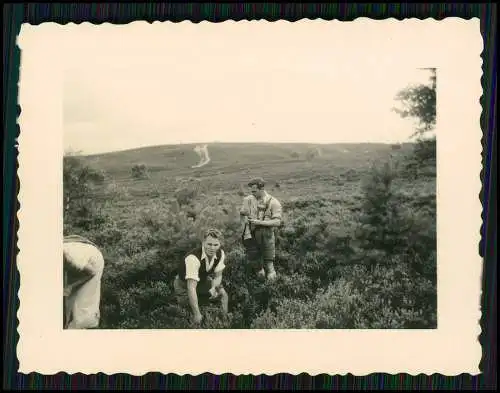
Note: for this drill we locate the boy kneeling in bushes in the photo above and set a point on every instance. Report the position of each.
(199, 275)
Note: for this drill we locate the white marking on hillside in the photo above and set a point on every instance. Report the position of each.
(202, 151)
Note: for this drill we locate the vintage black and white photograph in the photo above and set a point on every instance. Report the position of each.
(307, 189)
(246, 181)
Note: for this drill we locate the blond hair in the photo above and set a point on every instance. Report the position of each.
(213, 232)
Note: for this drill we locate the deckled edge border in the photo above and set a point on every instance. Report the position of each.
(43, 15)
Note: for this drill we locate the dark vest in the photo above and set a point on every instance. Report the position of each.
(202, 272)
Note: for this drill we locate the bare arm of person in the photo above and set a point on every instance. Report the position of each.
(216, 283)
(218, 291)
(193, 299)
(224, 300)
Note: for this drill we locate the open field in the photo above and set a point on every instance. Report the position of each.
(335, 271)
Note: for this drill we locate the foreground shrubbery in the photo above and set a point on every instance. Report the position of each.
(367, 264)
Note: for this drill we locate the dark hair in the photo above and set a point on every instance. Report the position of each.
(257, 181)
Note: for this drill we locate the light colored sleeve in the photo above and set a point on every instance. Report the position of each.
(192, 267)
(245, 206)
(276, 209)
(221, 266)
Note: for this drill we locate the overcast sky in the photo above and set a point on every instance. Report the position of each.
(229, 83)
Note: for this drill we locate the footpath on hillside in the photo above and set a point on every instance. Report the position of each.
(202, 152)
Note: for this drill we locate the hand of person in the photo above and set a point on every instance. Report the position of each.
(197, 318)
(213, 293)
(254, 221)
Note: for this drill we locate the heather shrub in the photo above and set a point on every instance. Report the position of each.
(140, 171)
(366, 260)
(335, 307)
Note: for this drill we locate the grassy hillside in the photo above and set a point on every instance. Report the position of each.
(177, 160)
(233, 164)
(357, 249)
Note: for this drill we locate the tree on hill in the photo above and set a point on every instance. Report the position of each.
(78, 181)
(140, 171)
(419, 102)
(313, 153)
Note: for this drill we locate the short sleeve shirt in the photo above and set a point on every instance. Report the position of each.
(273, 211)
(249, 206)
(193, 265)
(256, 209)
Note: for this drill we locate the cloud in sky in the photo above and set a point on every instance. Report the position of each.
(129, 86)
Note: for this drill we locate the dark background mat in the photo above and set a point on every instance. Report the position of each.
(121, 13)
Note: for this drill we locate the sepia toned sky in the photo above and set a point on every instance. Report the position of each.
(128, 87)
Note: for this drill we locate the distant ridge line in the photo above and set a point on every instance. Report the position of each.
(193, 145)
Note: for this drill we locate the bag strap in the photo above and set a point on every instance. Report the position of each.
(268, 204)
